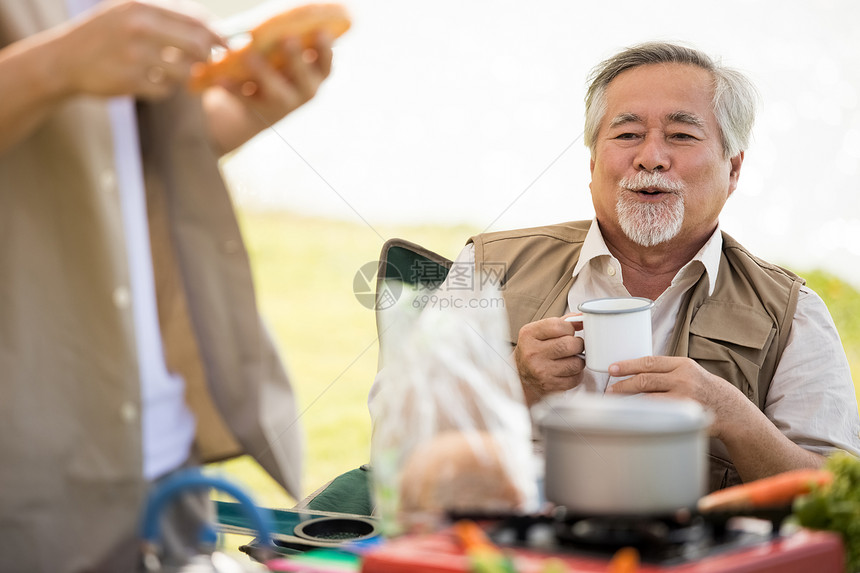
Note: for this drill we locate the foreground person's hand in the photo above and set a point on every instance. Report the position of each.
(238, 111)
(273, 92)
(131, 48)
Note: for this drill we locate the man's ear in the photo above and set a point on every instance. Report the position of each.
(735, 164)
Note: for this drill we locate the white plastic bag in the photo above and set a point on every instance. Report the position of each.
(451, 431)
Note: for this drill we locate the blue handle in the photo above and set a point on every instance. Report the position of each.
(194, 479)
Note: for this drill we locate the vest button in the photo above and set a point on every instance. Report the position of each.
(121, 297)
(128, 412)
(107, 180)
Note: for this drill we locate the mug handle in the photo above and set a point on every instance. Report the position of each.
(576, 318)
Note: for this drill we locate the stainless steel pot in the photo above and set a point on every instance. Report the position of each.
(628, 455)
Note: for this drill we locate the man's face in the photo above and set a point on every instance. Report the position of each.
(658, 173)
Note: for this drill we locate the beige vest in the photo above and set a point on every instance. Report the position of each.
(70, 436)
(539, 265)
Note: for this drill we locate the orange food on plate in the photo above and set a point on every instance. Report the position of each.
(302, 22)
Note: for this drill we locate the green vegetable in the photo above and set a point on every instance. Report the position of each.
(836, 507)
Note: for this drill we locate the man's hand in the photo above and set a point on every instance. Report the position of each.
(757, 448)
(237, 112)
(119, 48)
(132, 48)
(678, 377)
(547, 357)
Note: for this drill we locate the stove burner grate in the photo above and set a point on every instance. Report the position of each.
(659, 539)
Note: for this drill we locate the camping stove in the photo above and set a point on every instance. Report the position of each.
(681, 543)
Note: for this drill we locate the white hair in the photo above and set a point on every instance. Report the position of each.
(734, 102)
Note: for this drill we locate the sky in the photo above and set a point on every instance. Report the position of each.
(472, 111)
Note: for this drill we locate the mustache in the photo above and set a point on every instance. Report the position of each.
(651, 180)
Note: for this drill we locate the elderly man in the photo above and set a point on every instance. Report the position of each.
(667, 128)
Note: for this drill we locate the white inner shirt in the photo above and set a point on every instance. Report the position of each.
(167, 423)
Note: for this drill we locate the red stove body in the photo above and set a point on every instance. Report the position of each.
(801, 552)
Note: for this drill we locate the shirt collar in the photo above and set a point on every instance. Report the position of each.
(593, 247)
(708, 256)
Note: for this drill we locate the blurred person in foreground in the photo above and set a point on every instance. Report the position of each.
(130, 342)
(668, 128)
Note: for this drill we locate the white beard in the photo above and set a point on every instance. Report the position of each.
(650, 224)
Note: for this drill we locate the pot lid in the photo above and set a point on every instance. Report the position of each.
(639, 414)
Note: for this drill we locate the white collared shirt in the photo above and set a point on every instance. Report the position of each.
(598, 274)
(811, 399)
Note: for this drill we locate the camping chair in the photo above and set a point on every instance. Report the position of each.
(403, 265)
(411, 263)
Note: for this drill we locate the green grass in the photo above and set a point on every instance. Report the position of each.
(304, 269)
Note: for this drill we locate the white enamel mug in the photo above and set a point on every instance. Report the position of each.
(615, 329)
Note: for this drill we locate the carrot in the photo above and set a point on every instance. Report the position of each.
(484, 556)
(770, 491)
(302, 22)
(625, 560)
(471, 536)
